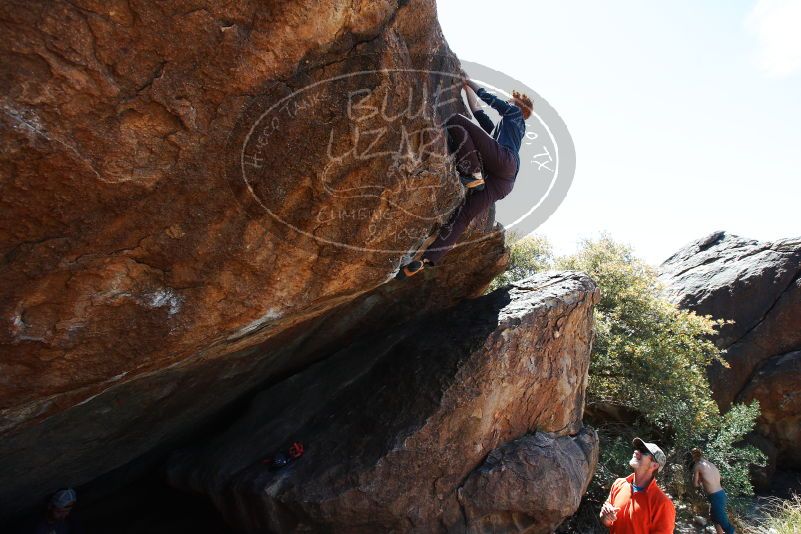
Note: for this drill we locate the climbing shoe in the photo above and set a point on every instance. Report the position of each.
(412, 268)
(296, 450)
(474, 182)
(283, 459)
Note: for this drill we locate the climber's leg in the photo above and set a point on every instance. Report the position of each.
(474, 205)
(717, 503)
(473, 147)
(412, 268)
(476, 151)
(460, 143)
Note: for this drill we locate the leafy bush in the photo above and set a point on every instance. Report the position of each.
(649, 360)
(649, 356)
(528, 255)
(733, 461)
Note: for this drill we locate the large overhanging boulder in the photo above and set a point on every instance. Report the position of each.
(463, 420)
(758, 286)
(164, 247)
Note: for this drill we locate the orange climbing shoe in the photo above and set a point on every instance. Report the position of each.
(412, 268)
(474, 182)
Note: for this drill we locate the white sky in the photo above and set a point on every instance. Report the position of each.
(686, 115)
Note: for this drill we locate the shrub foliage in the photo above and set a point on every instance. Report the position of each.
(649, 359)
(528, 255)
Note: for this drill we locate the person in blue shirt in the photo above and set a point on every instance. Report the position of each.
(58, 519)
(487, 160)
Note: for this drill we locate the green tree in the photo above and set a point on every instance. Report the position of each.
(649, 356)
(649, 359)
(732, 462)
(528, 255)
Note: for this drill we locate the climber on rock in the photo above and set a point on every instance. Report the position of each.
(487, 161)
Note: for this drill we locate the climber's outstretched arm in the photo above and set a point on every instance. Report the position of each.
(472, 100)
(470, 83)
(483, 119)
(502, 107)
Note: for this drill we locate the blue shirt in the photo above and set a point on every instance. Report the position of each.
(510, 129)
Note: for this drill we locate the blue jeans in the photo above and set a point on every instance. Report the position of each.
(717, 502)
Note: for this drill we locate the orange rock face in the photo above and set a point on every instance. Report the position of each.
(189, 195)
(464, 420)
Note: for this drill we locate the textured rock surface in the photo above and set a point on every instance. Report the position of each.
(154, 410)
(497, 496)
(142, 289)
(395, 424)
(758, 285)
(777, 386)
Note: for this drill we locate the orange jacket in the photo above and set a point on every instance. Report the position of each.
(643, 512)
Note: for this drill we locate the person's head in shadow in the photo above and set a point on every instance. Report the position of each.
(59, 508)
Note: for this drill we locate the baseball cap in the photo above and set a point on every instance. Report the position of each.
(654, 449)
(64, 498)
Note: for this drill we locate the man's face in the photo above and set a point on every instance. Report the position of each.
(641, 458)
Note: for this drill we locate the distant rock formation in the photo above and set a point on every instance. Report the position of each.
(184, 214)
(758, 285)
(464, 420)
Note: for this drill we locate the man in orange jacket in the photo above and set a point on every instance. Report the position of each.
(636, 505)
